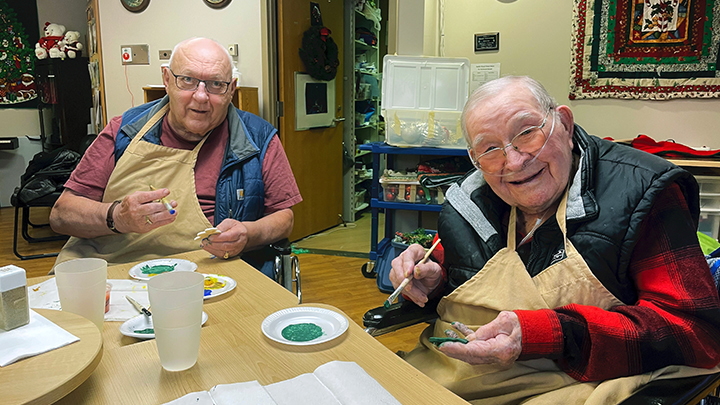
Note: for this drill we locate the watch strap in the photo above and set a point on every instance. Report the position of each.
(109, 219)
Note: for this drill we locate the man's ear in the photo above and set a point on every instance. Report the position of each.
(565, 118)
(233, 85)
(166, 77)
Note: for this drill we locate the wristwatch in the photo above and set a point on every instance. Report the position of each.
(109, 219)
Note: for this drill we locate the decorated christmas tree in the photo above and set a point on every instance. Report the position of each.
(17, 83)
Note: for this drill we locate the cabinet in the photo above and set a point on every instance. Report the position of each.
(245, 98)
(64, 91)
(363, 114)
(378, 151)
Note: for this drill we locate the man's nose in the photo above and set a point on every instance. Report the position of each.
(201, 93)
(514, 160)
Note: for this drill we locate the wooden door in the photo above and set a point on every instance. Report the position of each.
(315, 154)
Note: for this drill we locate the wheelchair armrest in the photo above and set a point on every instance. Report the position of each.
(689, 390)
(383, 320)
(282, 247)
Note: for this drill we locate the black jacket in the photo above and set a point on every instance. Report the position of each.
(611, 193)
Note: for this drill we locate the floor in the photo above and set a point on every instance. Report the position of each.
(329, 279)
(351, 240)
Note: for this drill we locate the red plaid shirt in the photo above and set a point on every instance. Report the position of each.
(676, 319)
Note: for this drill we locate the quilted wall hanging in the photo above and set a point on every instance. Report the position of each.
(645, 49)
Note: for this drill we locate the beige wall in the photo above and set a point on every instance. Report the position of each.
(535, 39)
(165, 23)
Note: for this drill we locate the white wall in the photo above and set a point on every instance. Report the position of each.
(162, 25)
(535, 38)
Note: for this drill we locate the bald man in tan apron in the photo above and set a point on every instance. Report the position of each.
(173, 169)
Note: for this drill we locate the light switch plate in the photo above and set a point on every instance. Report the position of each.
(139, 55)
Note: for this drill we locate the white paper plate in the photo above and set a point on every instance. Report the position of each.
(142, 322)
(217, 284)
(332, 324)
(180, 265)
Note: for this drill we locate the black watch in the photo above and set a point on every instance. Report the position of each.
(109, 219)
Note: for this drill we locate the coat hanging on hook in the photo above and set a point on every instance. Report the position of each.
(319, 52)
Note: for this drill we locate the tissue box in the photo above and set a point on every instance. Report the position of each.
(14, 306)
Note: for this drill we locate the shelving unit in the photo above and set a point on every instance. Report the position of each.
(362, 107)
(97, 79)
(378, 151)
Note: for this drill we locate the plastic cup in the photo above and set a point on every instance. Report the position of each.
(177, 299)
(81, 286)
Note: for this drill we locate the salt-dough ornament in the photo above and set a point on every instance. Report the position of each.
(206, 233)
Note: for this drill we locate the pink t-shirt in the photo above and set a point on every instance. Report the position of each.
(93, 172)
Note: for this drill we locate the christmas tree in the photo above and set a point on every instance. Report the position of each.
(17, 83)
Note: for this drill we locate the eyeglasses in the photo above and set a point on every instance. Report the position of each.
(191, 84)
(529, 141)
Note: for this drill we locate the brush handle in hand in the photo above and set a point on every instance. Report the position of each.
(405, 282)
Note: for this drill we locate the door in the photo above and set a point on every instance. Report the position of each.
(315, 154)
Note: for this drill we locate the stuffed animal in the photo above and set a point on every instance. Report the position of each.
(70, 44)
(49, 44)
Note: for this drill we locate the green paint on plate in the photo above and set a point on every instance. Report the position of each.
(302, 332)
(147, 331)
(158, 269)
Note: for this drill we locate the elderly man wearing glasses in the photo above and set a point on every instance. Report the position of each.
(217, 166)
(567, 262)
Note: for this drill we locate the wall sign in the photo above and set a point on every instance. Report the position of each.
(314, 102)
(489, 41)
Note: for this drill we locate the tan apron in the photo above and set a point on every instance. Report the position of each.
(504, 284)
(143, 164)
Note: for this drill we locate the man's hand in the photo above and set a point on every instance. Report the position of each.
(232, 240)
(140, 212)
(498, 342)
(426, 276)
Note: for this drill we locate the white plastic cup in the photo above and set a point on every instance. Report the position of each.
(177, 299)
(81, 285)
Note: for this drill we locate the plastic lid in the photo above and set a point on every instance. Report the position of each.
(12, 277)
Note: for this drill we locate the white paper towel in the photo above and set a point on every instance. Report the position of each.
(38, 336)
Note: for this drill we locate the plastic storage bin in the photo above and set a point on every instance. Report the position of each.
(709, 205)
(409, 191)
(440, 129)
(422, 100)
(709, 224)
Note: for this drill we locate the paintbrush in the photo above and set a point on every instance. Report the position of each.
(405, 282)
(165, 202)
(138, 306)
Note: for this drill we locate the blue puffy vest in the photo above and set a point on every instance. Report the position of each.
(240, 191)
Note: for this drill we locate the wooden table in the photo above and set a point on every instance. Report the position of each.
(47, 377)
(234, 349)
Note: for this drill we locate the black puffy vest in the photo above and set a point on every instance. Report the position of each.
(612, 192)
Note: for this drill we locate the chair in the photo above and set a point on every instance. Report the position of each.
(41, 185)
(702, 390)
(46, 201)
(287, 267)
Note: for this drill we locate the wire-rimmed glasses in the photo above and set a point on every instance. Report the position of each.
(531, 141)
(189, 83)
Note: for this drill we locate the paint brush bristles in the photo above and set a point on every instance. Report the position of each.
(405, 282)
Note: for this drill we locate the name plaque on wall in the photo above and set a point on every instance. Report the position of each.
(489, 41)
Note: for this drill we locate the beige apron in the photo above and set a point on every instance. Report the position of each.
(504, 284)
(143, 164)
